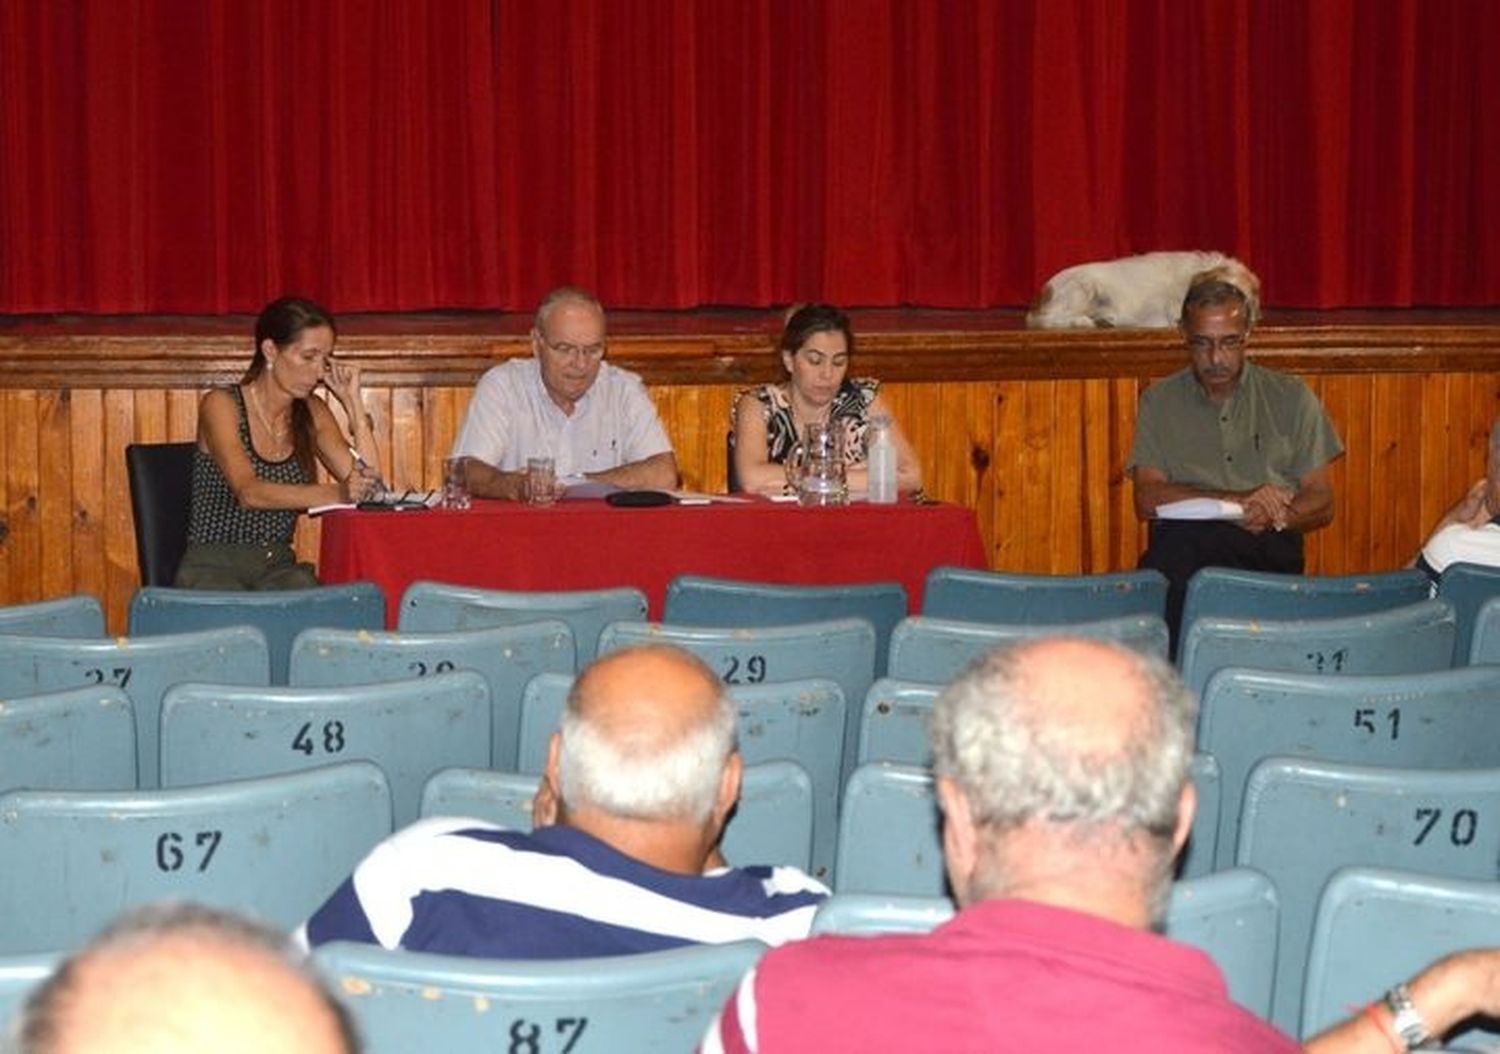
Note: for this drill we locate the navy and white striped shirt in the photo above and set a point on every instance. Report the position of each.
(465, 887)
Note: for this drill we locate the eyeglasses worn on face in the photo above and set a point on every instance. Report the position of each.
(587, 352)
(1233, 342)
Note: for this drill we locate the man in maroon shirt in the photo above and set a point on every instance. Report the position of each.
(1062, 772)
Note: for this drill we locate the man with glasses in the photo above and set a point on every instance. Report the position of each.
(1230, 430)
(566, 403)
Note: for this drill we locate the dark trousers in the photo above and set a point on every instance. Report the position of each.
(1178, 548)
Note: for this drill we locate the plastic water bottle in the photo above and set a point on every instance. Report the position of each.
(881, 459)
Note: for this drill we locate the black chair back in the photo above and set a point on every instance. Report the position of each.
(161, 487)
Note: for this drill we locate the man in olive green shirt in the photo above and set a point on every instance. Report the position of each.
(1228, 429)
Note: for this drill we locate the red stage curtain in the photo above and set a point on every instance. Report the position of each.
(205, 155)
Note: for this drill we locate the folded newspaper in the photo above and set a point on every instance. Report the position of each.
(1200, 509)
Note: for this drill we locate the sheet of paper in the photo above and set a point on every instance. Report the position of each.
(693, 497)
(1200, 509)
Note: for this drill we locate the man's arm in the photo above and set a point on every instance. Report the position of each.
(657, 472)
(1447, 992)
(1266, 507)
(486, 481)
(1262, 504)
(1312, 505)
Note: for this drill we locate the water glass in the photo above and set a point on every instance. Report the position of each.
(455, 485)
(541, 481)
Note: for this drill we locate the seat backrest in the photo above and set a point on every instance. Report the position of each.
(890, 843)
(842, 650)
(1413, 639)
(893, 726)
(1303, 820)
(1197, 857)
(274, 848)
(1377, 926)
(161, 500)
(506, 656)
(1467, 587)
(1226, 592)
(280, 614)
(406, 1001)
(1440, 720)
(871, 913)
(935, 651)
(411, 729)
(428, 606)
(78, 739)
(1008, 599)
(1484, 643)
(771, 825)
(696, 600)
(800, 721)
(19, 976)
(80, 615)
(144, 667)
(1233, 916)
(889, 833)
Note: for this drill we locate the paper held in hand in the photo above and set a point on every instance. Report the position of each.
(1200, 509)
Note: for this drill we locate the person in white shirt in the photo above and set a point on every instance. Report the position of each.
(1469, 533)
(566, 403)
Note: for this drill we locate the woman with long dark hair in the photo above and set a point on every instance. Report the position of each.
(259, 444)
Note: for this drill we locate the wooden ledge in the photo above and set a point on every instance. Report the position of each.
(732, 347)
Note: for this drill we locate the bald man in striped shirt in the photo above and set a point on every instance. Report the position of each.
(623, 857)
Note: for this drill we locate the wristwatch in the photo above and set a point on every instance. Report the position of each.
(1406, 1022)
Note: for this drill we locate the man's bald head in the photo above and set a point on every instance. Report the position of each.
(1084, 735)
(646, 735)
(184, 978)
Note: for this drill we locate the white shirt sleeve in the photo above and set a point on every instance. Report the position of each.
(644, 435)
(1459, 543)
(486, 431)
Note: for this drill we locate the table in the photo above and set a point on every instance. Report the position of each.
(591, 545)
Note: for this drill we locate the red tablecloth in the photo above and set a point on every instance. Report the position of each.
(591, 545)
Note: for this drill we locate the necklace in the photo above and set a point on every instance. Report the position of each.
(278, 434)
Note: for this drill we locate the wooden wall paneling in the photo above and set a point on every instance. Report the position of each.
(1345, 544)
(979, 453)
(1100, 483)
(1440, 434)
(1039, 532)
(1406, 508)
(399, 434)
(1066, 482)
(1484, 405)
(697, 439)
(55, 492)
(1470, 439)
(22, 513)
(1386, 483)
(182, 414)
(7, 467)
(151, 415)
(121, 569)
(447, 407)
(90, 494)
(1007, 544)
(1127, 536)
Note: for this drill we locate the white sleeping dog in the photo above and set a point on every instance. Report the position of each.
(1134, 291)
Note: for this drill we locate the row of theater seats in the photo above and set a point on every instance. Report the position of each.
(1372, 926)
(1280, 794)
(1386, 719)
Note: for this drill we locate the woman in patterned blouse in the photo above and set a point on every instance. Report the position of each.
(259, 443)
(768, 420)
